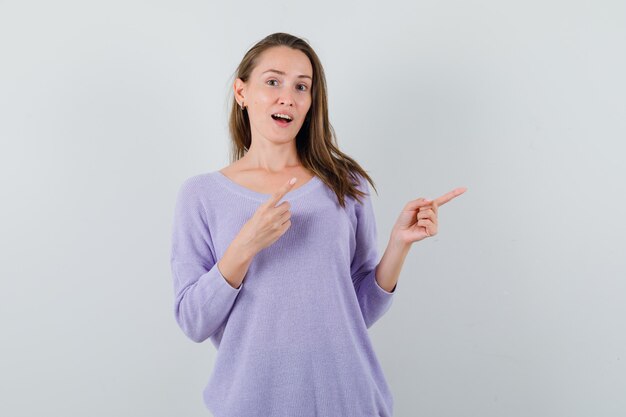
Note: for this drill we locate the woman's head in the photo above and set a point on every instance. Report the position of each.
(262, 97)
(300, 91)
(277, 81)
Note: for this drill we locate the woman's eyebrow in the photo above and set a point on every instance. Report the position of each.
(282, 73)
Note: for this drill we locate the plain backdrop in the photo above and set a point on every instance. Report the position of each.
(517, 306)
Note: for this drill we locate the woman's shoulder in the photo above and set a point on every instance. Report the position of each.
(196, 186)
(195, 181)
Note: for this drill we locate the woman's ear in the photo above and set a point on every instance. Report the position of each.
(239, 88)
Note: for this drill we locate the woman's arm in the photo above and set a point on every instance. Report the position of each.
(389, 267)
(235, 263)
(417, 221)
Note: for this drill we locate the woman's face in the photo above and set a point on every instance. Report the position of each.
(268, 92)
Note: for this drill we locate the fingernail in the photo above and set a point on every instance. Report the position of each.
(292, 181)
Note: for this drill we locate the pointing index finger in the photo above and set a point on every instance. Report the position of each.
(281, 192)
(449, 196)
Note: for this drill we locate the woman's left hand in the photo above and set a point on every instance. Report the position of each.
(418, 219)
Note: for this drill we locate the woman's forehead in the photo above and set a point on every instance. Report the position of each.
(285, 61)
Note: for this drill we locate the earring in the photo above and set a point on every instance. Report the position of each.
(242, 106)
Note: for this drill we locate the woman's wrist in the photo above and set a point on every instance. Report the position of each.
(398, 243)
(245, 251)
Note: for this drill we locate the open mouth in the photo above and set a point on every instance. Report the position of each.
(282, 119)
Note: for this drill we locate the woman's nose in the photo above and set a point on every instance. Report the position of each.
(286, 98)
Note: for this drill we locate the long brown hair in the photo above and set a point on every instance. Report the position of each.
(316, 141)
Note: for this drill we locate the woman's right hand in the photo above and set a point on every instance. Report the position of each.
(268, 223)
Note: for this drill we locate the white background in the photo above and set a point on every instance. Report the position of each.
(516, 307)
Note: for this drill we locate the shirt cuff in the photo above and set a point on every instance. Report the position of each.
(221, 294)
(393, 291)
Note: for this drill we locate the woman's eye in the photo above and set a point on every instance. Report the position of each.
(300, 85)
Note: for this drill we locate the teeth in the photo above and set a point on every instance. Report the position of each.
(283, 116)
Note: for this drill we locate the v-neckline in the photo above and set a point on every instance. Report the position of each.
(229, 183)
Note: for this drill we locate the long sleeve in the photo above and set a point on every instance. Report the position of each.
(203, 297)
(373, 300)
(304, 307)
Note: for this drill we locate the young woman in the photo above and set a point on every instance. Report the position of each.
(282, 276)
